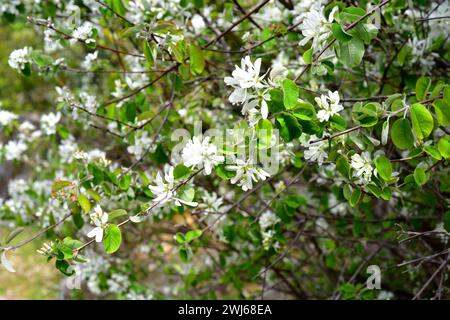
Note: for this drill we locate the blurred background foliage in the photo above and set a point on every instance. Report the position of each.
(34, 278)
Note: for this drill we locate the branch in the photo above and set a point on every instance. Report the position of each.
(349, 27)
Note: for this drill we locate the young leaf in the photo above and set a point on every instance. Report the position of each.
(197, 59)
(264, 133)
(385, 132)
(179, 237)
(339, 33)
(14, 233)
(112, 239)
(384, 167)
(444, 146)
(193, 234)
(354, 199)
(351, 52)
(442, 110)
(420, 176)
(308, 56)
(59, 185)
(181, 171)
(422, 121)
(422, 86)
(433, 152)
(401, 134)
(290, 93)
(84, 203)
(117, 214)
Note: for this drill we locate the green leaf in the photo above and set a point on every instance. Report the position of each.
(117, 214)
(365, 32)
(124, 182)
(444, 146)
(187, 193)
(289, 127)
(59, 185)
(338, 122)
(197, 59)
(181, 172)
(351, 14)
(304, 111)
(422, 121)
(276, 101)
(224, 173)
(84, 203)
(422, 86)
(264, 133)
(420, 176)
(64, 267)
(193, 234)
(26, 70)
(343, 167)
(14, 233)
(433, 152)
(184, 254)
(442, 110)
(351, 52)
(366, 115)
(339, 33)
(401, 134)
(308, 56)
(384, 167)
(290, 93)
(354, 199)
(112, 239)
(179, 237)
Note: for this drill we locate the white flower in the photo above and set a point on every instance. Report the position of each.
(197, 23)
(49, 121)
(89, 60)
(211, 203)
(14, 149)
(137, 79)
(246, 173)
(67, 150)
(267, 220)
(82, 33)
(201, 154)
(329, 105)
(6, 117)
(6, 263)
(27, 133)
(46, 249)
(246, 76)
(316, 151)
(50, 42)
(164, 189)
(64, 95)
(316, 27)
(89, 102)
(19, 58)
(100, 220)
(141, 144)
(362, 167)
(267, 239)
(98, 156)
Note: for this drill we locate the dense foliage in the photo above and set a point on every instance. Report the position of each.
(230, 149)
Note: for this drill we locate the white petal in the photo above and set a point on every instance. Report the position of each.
(264, 110)
(5, 262)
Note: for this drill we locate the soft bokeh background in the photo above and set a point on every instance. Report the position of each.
(34, 278)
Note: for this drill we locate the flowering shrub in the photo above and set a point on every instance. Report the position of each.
(237, 149)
